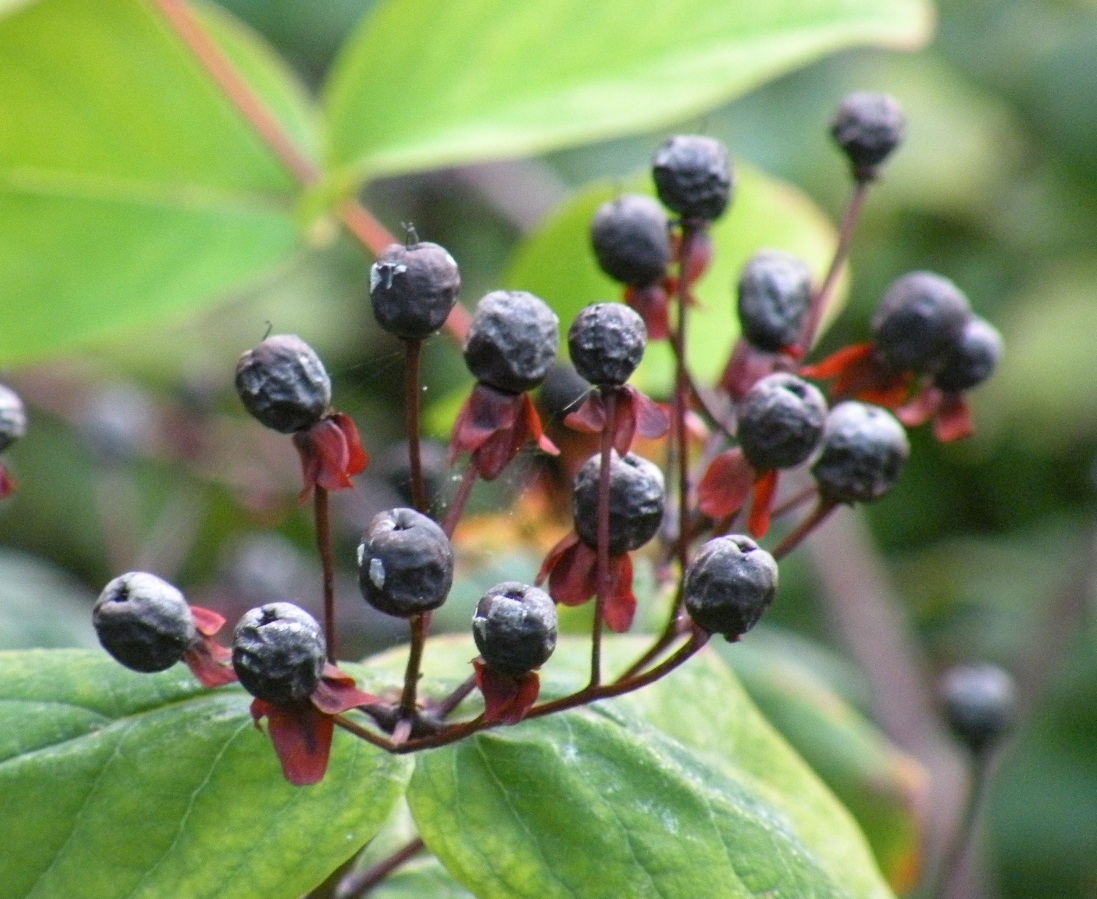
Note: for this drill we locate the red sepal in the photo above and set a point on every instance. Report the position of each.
(337, 692)
(301, 735)
(619, 604)
(700, 255)
(493, 426)
(331, 454)
(726, 484)
(747, 366)
(507, 697)
(8, 484)
(950, 413)
(634, 413)
(651, 304)
(765, 489)
(207, 622)
(209, 661)
(572, 571)
(858, 373)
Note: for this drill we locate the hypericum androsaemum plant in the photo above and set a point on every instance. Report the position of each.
(533, 761)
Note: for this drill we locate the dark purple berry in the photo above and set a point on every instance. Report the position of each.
(512, 341)
(693, 176)
(13, 417)
(972, 359)
(413, 289)
(863, 451)
(979, 702)
(562, 392)
(729, 585)
(405, 563)
(919, 320)
(606, 342)
(278, 653)
(515, 627)
(774, 295)
(780, 421)
(282, 382)
(631, 240)
(143, 622)
(868, 127)
(636, 500)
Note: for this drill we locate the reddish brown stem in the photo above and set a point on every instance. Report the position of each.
(797, 535)
(447, 706)
(327, 565)
(411, 420)
(358, 883)
(610, 400)
(457, 506)
(415, 658)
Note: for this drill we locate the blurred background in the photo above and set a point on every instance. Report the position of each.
(139, 455)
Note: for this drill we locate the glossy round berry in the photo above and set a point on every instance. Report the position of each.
(774, 295)
(405, 563)
(278, 653)
(780, 421)
(637, 496)
(282, 382)
(13, 417)
(729, 585)
(919, 320)
(515, 627)
(143, 622)
(979, 702)
(606, 342)
(413, 289)
(693, 176)
(868, 127)
(972, 359)
(863, 451)
(631, 239)
(512, 341)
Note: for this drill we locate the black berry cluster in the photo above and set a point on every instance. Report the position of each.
(606, 342)
(971, 359)
(283, 383)
(728, 586)
(143, 622)
(631, 240)
(636, 502)
(863, 451)
(868, 127)
(774, 294)
(405, 563)
(693, 176)
(413, 289)
(278, 653)
(512, 341)
(780, 421)
(919, 320)
(514, 627)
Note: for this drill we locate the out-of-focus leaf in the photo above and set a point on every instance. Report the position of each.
(40, 607)
(557, 263)
(426, 83)
(130, 188)
(168, 789)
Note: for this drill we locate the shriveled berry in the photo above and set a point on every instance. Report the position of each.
(863, 451)
(774, 295)
(780, 421)
(972, 359)
(405, 563)
(919, 320)
(606, 342)
(515, 627)
(636, 500)
(729, 585)
(979, 702)
(413, 289)
(278, 653)
(693, 176)
(512, 341)
(631, 240)
(868, 127)
(13, 417)
(143, 622)
(283, 383)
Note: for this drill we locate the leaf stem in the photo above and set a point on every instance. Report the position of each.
(322, 514)
(359, 883)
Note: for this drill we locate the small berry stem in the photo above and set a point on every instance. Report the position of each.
(946, 884)
(445, 707)
(795, 501)
(412, 402)
(358, 883)
(457, 506)
(322, 514)
(797, 535)
(610, 399)
(415, 657)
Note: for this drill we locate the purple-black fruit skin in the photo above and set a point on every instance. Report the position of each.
(979, 702)
(143, 622)
(561, 393)
(606, 342)
(515, 628)
(780, 421)
(972, 359)
(13, 417)
(693, 176)
(405, 563)
(283, 383)
(413, 289)
(868, 127)
(774, 295)
(863, 451)
(729, 585)
(918, 321)
(512, 341)
(637, 498)
(631, 240)
(278, 653)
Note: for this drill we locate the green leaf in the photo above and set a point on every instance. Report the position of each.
(426, 83)
(130, 188)
(116, 784)
(556, 263)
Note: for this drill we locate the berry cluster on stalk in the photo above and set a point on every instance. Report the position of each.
(698, 513)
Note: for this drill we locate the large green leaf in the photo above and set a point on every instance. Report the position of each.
(130, 188)
(557, 264)
(119, 784)
(426, 83)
